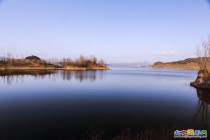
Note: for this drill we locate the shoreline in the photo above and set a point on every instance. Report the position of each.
(175, 68)
(62, 68)
(43, 71)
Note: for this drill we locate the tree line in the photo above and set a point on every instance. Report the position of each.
(83, 61)
(80, 62)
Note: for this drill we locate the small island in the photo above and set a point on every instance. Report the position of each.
(33, 65)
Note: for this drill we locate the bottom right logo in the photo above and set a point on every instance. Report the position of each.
(190, 133)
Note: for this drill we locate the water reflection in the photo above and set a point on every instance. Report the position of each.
(203, 113)
(67, 103)
(80, 75)
(18, 76)
(66, 75)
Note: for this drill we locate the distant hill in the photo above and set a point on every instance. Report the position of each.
(189, 63)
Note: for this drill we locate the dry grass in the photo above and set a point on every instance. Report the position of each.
(208, 69)
(81, 63)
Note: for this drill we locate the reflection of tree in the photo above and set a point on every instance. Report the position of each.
(10, 76)
(79, 75)
(68, 75)
(202, 114)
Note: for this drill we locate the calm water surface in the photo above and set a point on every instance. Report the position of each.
(73, 101)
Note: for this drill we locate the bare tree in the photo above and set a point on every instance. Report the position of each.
(80, 61)
(69, 61)
(93, 60)
(9, 56)
(209, 46)
(203, 54)
(101, 62)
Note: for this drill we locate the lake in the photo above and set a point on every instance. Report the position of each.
(65, 103)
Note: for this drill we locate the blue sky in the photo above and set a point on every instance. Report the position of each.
(115, 30)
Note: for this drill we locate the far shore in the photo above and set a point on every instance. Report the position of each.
(187, 64)
(174, 68)
(179, 68)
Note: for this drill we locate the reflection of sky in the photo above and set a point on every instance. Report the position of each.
(116, 97)
(145, 84)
